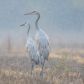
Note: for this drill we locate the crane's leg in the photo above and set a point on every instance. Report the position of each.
(42, 65)
(32, 67)
(41, 60)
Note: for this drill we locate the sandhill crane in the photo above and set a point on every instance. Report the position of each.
(42, 40)
(31, 49)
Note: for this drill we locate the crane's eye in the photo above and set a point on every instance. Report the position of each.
(33, 12)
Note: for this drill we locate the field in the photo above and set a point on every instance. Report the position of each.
(62, 21)
(64, 66)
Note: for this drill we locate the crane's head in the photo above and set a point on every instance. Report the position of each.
(27, 23)
(33, 13)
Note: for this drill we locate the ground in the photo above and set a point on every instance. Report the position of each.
(64, 66)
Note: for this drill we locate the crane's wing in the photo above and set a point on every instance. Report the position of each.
(31, 51)
(31, 45)
(42, 40)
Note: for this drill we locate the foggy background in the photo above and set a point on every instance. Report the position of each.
(62, 20)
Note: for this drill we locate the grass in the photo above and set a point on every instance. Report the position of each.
(62, 67)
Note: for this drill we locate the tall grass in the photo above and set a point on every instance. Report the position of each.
(9, 42)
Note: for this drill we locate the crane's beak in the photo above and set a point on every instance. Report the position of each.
(22, 25)
(29, 13)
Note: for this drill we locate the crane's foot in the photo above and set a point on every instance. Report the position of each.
(41, 74)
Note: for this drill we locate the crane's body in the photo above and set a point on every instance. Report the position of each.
(42, 40)
(31, 49)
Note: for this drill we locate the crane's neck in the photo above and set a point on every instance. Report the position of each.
(28, 31)
(36, 23)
